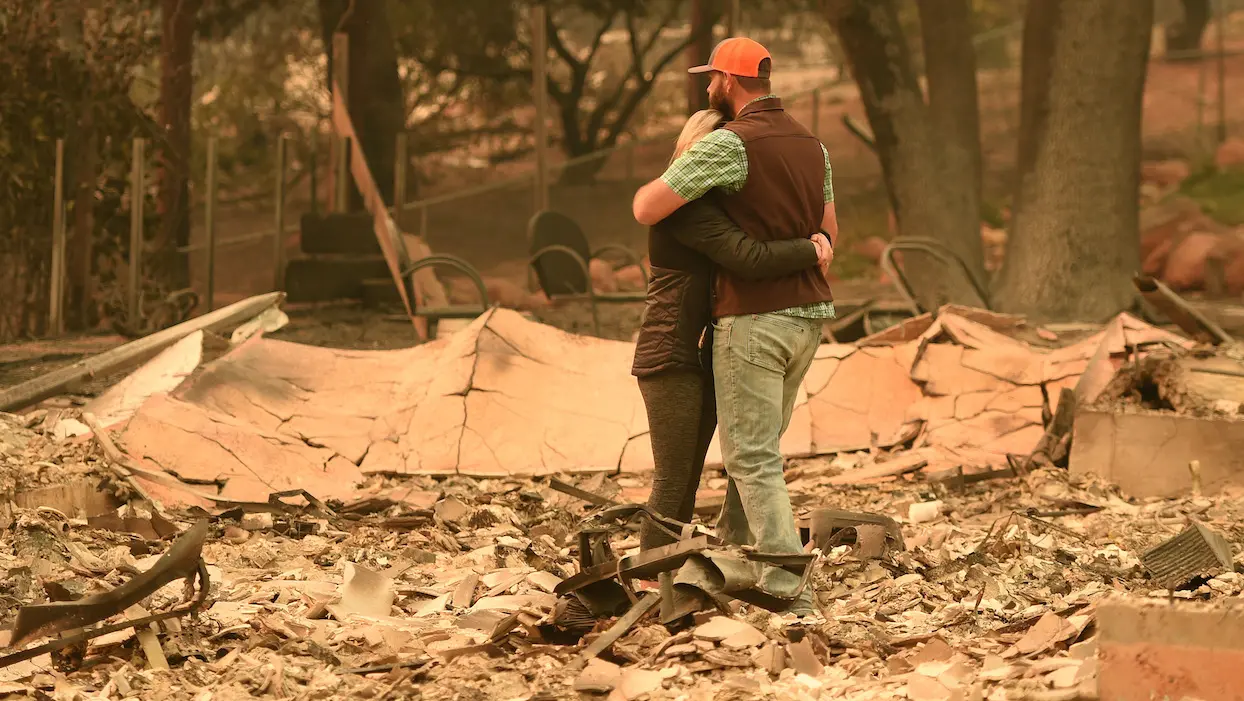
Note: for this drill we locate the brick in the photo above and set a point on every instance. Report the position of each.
(1153, 650)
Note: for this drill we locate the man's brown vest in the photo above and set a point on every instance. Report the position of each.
(782, 199)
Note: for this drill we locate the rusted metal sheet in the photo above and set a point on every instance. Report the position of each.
(653, 561)
(1196, 552)
(829, 527)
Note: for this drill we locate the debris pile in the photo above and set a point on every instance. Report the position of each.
(447, 522)
(1203, 382)
(1176, 407)
(451, 586)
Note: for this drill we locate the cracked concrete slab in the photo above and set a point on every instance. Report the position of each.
(509, 397)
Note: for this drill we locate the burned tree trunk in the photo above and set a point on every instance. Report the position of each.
(588, 131)
(930, 152)
(1186, 34)
(80, 188)
(1074, 244)
(703, 15)
(374, 90)
(954, 107)
(178, 19)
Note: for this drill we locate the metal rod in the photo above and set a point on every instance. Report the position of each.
(399, 175)
(209, 222)
(130, 354)
(1220, 31)
(340, 80)
(137, 200)
(278, 236)
(1200, 108)
(341, 179)
(56, 298)
(314, 157)
(539, 80)
(235, 240)
(517, 180)
(816, 111)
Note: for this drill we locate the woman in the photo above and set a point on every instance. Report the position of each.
(675, 377)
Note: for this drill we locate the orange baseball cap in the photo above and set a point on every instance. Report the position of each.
(738, 56)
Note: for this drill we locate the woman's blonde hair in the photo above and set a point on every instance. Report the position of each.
(698, 126)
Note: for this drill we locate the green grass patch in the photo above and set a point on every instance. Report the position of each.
(1220, 194)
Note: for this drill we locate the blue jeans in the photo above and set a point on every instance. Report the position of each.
(759, 361)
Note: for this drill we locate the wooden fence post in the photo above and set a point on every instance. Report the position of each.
(56, 299)
(341, 81)
(137, 202)
(539, 83)
(278, 243)
(209, 222)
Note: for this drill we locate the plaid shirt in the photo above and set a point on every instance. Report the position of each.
(720, 160)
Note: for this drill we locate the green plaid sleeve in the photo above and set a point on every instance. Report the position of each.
(717, 160)
(829, 177)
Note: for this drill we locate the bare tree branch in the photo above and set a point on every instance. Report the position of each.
(600, 37)
(497, 72)
(645, 87)
(673, 12)
(559, 46)
(596, 121)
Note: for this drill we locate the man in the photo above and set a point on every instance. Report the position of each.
(774, 180)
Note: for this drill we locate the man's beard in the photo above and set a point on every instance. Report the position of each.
(717, 100)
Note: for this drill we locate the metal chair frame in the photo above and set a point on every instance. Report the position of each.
(938, 250)
(593, 298)
(453, 311)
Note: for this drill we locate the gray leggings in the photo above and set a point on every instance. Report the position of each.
(682, 415)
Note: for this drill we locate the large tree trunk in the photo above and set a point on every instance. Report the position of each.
(170, 268)
(80, 187)
(930, 153)
(954, 108)
(1075, 244)
(703, 13)
(374, 90)
(1186, 34)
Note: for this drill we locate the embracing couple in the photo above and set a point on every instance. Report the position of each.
(743, 228)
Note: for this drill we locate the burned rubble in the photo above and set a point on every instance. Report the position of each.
(943, 571)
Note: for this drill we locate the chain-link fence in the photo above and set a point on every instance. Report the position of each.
(235, 250)
(1190, 107)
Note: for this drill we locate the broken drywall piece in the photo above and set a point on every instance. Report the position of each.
(365, 592)
(69, 428)
(269, 320)
(720, 628)
(924, 512)
(1048, 631)
(160, 375)
(598, 677)
(1147, 454)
